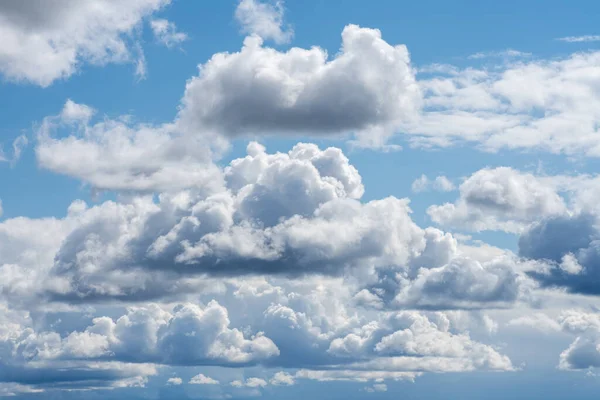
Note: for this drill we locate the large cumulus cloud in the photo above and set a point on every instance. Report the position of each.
(288, 214)
(231, 258)
(368, 88)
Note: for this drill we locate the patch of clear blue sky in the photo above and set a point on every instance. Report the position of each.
(434, 31)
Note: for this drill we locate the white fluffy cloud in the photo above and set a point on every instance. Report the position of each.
(286, 214)
(263, 19)
(112, 351)
(202, 379)
(500, 199)
(367, 89)
(45, 41)
(282, 378)
(174, 381)
(277, 217)
(37, 359)
(417, 341)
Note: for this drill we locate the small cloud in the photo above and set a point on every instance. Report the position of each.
(166, 33)
(439, 184)
(202, 379)
(250, 383)
(580, 39)
(509, 53)
(174, 381)
(264, 20)
(141, 69)
(18, 145)
(282, 379)
(377, 387)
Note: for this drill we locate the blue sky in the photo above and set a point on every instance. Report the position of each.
(269, 199)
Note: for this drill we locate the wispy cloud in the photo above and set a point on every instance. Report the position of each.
(579, 39)
(500, 54)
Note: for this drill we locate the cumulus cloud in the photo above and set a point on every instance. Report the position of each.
(499, 199)
(43, 41)
(367, 89)
(37, 360)
(463, 282)
(414, 335)
(174, 381)
(112, 352)
(276, 217)
(263, 19)
(166, 33)
(285, 214)
(202, 379)
(282, 378)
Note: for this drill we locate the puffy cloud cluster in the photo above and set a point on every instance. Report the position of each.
(113, 352)
(276, 217)
(45, 41)
(37, 359)
(407, 335)
(187, 335)
(500, 199)
(556, 216)
(285, 214)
